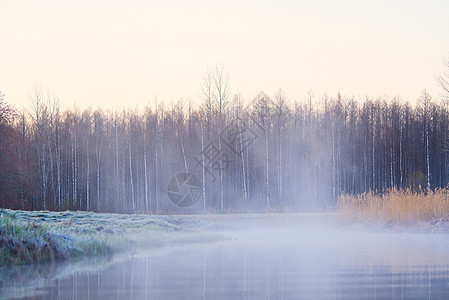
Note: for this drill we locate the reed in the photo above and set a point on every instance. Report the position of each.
(397, 206)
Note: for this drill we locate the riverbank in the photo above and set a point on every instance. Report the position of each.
(39, 236)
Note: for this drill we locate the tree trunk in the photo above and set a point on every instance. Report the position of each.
(87, 176)
(145, 169)
(203, 168)
(98, 173)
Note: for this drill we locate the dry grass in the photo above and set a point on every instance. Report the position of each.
(400, 207)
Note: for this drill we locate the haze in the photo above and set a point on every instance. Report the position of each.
(115, 54)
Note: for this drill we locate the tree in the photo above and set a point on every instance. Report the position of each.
(9, 158)
(215, 90)
(281, 117)
(425, 101)
(443, 77)
(7, 113)
(304, 156)
(99, 138)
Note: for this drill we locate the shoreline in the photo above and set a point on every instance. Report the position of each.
(43, 236)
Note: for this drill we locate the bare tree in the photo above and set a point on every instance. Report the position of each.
(7, 113)
(220, 82)
(99, 137)
(443, 77)
(215, 94)
(425, 100)
(42, 120)
(221, 95)
(281, 118)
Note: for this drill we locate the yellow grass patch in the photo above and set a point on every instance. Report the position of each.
(397, 206)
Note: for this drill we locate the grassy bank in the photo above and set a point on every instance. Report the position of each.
(42, 236)
(399, 208)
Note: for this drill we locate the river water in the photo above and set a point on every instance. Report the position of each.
(282, 263)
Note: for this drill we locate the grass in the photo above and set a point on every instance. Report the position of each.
(37, 236)
(398, 207)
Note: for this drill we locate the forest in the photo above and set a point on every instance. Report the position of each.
(263, 154)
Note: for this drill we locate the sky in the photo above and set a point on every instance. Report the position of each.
(116, 54)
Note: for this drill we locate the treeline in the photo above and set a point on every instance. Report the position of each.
(267, 154)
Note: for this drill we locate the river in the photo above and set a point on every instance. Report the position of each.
(294, 262)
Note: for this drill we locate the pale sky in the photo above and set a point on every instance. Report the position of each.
(117, 53)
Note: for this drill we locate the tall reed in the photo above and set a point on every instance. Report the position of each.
(397, 206)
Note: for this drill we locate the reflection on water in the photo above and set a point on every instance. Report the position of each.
(281, 264)
(25, 281)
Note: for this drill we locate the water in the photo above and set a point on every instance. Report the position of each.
(285, 263)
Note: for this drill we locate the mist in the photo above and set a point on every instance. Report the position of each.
(275, 256)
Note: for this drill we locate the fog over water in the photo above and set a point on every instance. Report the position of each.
(264, 259)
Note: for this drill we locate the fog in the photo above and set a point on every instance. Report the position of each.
(279, 257)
